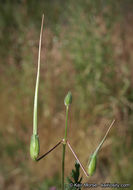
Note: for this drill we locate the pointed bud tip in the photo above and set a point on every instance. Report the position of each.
(68, 99)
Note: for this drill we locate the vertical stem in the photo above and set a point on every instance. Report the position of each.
(63, 164)
(65, 137)
(64, 148)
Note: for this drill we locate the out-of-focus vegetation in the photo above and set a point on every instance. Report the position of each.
(87, 48)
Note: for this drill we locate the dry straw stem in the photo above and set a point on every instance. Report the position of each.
(50, 150)
(77, 159)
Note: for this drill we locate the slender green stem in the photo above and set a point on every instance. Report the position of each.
(65, 137)
(64, 148)
(63, 164)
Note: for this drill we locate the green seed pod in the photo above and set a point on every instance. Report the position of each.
(34, 147)
(92, 164)
(68, 99)
(93, 159)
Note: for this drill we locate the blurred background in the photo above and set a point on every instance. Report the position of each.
(87, 49)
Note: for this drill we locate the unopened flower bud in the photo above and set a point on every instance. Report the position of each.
(34, 147)
(68, 99)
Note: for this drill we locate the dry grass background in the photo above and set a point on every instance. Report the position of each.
(86, 127)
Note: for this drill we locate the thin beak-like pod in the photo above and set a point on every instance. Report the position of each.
(37, 82)
(93, 158)
(34, 145)
(101, 143)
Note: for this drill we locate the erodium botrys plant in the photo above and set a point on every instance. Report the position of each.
(34, 145)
